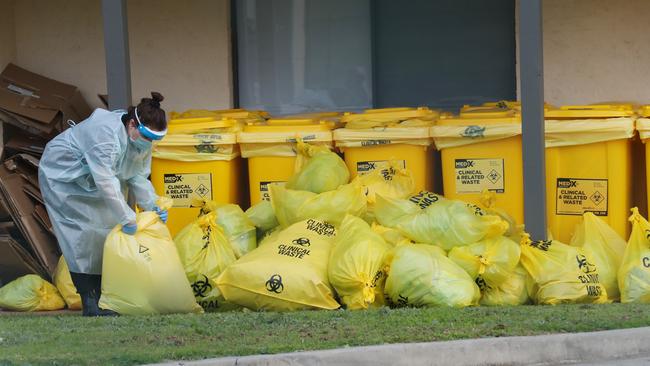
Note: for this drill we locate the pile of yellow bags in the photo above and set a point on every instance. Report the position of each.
(326, 242)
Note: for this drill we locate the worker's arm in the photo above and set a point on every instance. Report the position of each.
(142, 189)
(101, 160)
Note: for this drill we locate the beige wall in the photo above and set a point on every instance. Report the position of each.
(179, 48)
(63, 40)
(596, 50)
(7, 34)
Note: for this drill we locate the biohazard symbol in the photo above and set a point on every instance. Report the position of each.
(584, 265)
(202, 190)
(202, 287)
(274, 284)
(303, 242)
(206, 147)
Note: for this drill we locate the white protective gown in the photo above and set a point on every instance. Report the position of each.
(84, 175)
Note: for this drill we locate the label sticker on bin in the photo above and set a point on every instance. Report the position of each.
(576, 196)
(264, 189)
(183, 187)
(365, 167)
(478, 175)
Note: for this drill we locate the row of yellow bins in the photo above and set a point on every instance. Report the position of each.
(589, 162)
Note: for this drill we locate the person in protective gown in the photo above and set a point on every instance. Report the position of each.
(84, 176)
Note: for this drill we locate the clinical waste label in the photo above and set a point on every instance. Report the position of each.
(577, 196)
(264, 189)
(184, 187)
(365, 167)
(478, 175)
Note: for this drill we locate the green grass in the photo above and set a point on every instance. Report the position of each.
(72, 340)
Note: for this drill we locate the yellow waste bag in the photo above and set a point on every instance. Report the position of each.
(393, 209)
(605, 247)
(288, 271)
(317, 169)
(205, 252)
(447, 223)
(634, 274)
(142, 273)
(513, 291)
(294, 206)
(63, 283)
(421, 275)
(489, 262)
(356, 267)
(563, 274)
(238, 228)
(393, 181)
(263, 218)
(515, 230)
(390, 236)
(30, 293)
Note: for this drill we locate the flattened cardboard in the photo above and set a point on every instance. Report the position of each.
(25, 165)
(23, 143)
(15, 261)
(22, 208)
(41, 216)
(34, 193)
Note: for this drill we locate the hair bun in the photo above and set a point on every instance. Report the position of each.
(156, 98)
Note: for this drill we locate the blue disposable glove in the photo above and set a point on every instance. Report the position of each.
(163, 214)
(130, 228)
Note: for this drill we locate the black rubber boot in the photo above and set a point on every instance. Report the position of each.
(85, 284)
(97, 289)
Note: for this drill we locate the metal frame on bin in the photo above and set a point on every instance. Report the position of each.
(116, 41)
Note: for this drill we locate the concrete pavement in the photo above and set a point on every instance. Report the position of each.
(586, 348)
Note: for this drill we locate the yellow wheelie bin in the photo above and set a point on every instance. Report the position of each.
(269, 148)
(589, 166)
(197, 160)
(370, 140)
(481, 152)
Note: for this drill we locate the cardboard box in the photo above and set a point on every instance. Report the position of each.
(37, 104)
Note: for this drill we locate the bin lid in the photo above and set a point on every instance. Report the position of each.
(190, 125)
(239, 114)
(482, 115)
(590, 111)
(290, 125)
(506, 104)
(391, 114)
